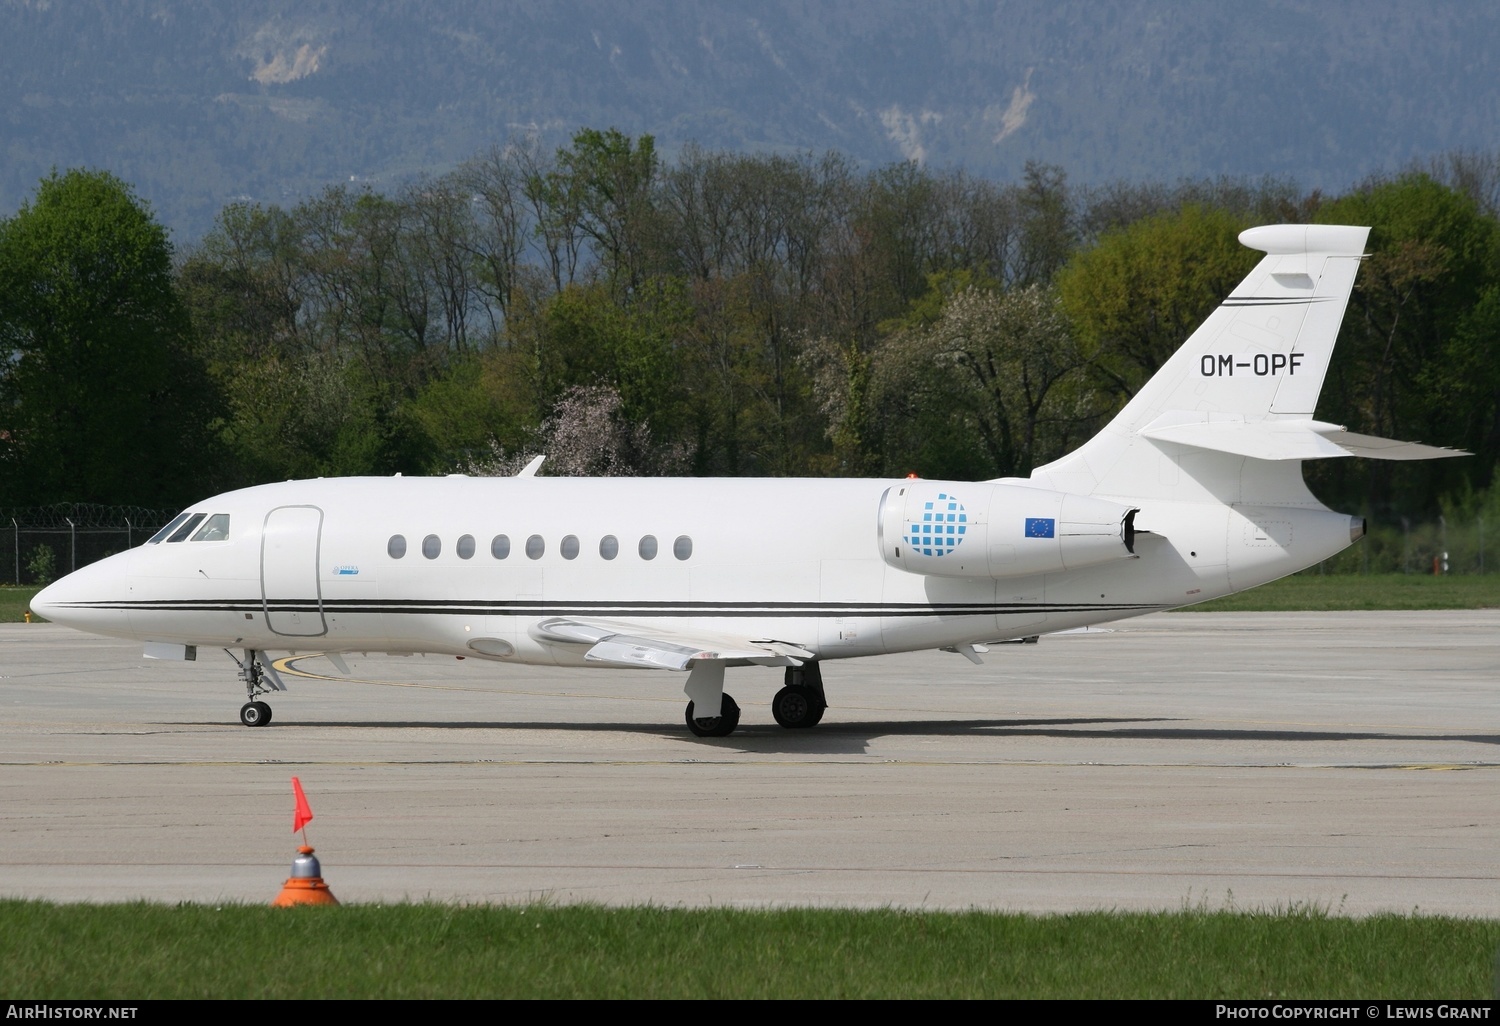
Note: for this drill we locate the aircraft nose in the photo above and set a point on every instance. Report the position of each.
(91, 598)
(44, 603)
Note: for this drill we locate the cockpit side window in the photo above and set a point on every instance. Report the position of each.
(187, 528)
(216, 529)
(174, 525)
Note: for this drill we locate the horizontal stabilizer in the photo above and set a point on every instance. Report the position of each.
(1371, 447)
(1283, 439)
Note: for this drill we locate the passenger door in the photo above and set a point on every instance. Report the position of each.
(289, 584)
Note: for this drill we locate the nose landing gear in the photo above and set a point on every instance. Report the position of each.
(260, 679)
(255, 714)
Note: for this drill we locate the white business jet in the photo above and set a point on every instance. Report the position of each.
(1192, 492)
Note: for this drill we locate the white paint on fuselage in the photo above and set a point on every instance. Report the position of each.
(776, 559)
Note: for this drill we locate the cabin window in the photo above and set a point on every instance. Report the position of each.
(569, 547)
(187, 528)
(465, 547)
(500, 546)
(609, 546)
(535, 547)
(159, 535)
(431, 546)
(682, 548)
(648, 547)
(396, 547)
(216, 529)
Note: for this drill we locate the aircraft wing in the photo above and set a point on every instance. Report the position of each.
(620, 643)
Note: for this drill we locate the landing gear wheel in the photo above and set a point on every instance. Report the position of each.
(721, 725)
(795, 706)
(255, 714)
(259, 680)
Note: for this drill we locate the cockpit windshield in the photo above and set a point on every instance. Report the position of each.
(216, 529)
(187, 528)
(159, 536)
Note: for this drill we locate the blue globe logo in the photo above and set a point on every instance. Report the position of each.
(941, 529)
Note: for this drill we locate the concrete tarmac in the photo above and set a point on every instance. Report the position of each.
(1344, 760)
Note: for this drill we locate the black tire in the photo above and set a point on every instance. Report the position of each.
(721, 725)
(255, 714)
(797, 707)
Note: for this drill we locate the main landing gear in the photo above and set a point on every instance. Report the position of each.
(260, 679)
(801, 703)
(721, 725)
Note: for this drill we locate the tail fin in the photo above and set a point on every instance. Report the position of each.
(1229, 417)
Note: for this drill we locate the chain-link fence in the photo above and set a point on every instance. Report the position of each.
(49, 541)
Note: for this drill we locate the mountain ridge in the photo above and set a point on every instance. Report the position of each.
(199, 104)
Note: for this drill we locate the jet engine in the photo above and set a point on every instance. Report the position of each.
(955, 529)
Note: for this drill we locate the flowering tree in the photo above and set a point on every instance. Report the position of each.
(587, 435)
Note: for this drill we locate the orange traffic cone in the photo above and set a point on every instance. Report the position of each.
(305, 886)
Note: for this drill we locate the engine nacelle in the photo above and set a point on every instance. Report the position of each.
(956, 529)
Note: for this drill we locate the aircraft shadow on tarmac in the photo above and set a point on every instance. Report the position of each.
(848, 737)
(854, 737)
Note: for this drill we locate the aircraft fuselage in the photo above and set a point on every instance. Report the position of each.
(313, 566)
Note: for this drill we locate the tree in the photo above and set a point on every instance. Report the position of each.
(498, 182)
(989, 387)
(587, 435)
(101, 393)
(1048, 234)
(604, 182)
(1140, 292)
(590, 340)
(1415, 352)
(478, 402)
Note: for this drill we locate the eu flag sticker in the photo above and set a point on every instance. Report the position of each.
(1040, 527)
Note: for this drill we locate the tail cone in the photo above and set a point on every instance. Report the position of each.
(305, 886)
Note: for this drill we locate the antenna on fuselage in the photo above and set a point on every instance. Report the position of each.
(531, 468)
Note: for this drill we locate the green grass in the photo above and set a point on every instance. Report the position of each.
(1327, 592)
(541, 951)
(13, 603)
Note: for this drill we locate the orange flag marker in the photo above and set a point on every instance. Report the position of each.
(304, 814)
(305, 886)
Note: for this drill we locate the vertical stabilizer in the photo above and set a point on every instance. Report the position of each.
(1251, 373)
